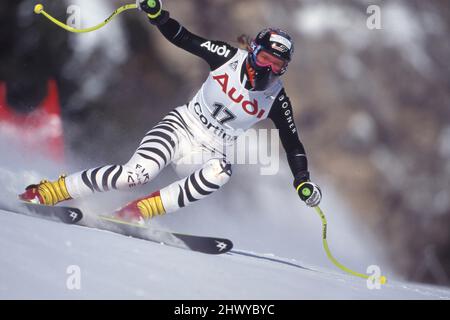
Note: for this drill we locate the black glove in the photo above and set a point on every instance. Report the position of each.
(154, 11)
(308, 191)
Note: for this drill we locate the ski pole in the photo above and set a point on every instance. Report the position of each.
(39, 9)
(319, 211)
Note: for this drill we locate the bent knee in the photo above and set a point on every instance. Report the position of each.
(137, 174)
(217, 170)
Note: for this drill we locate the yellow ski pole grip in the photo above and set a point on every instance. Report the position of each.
(38, 8)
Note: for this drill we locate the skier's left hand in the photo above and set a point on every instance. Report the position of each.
(310, 193)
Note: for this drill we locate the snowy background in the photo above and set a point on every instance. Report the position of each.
(372, 107)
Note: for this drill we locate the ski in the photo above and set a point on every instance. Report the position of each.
(71, 215)
(209, 245)
(64, 214)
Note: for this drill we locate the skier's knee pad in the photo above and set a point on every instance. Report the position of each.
(217, 171)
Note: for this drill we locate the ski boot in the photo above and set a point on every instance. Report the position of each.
(46, 192)
(142, 210)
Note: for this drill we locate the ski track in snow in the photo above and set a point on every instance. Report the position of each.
(35, 255)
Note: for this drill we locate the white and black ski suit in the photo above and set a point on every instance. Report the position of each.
(222, 108)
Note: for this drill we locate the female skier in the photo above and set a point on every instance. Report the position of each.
(243, 88)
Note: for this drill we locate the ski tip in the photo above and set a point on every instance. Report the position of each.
(223, 246)
(69, 215)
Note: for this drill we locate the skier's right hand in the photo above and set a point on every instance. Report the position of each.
(153, 8)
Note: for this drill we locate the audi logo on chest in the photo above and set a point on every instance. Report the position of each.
(250, 107)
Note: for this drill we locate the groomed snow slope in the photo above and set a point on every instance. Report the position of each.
(35, 255)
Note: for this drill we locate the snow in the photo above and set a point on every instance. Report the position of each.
(444, 143)
(36, 254)
(106, 46)
(278, 240)
(362, 127)
(316, 20)
(407, 35)
(401, 28)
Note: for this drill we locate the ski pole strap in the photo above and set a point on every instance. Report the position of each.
(39, 9)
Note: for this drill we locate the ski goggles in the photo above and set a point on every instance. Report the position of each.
(264, 58)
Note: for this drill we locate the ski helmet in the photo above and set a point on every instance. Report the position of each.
(268, 58)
